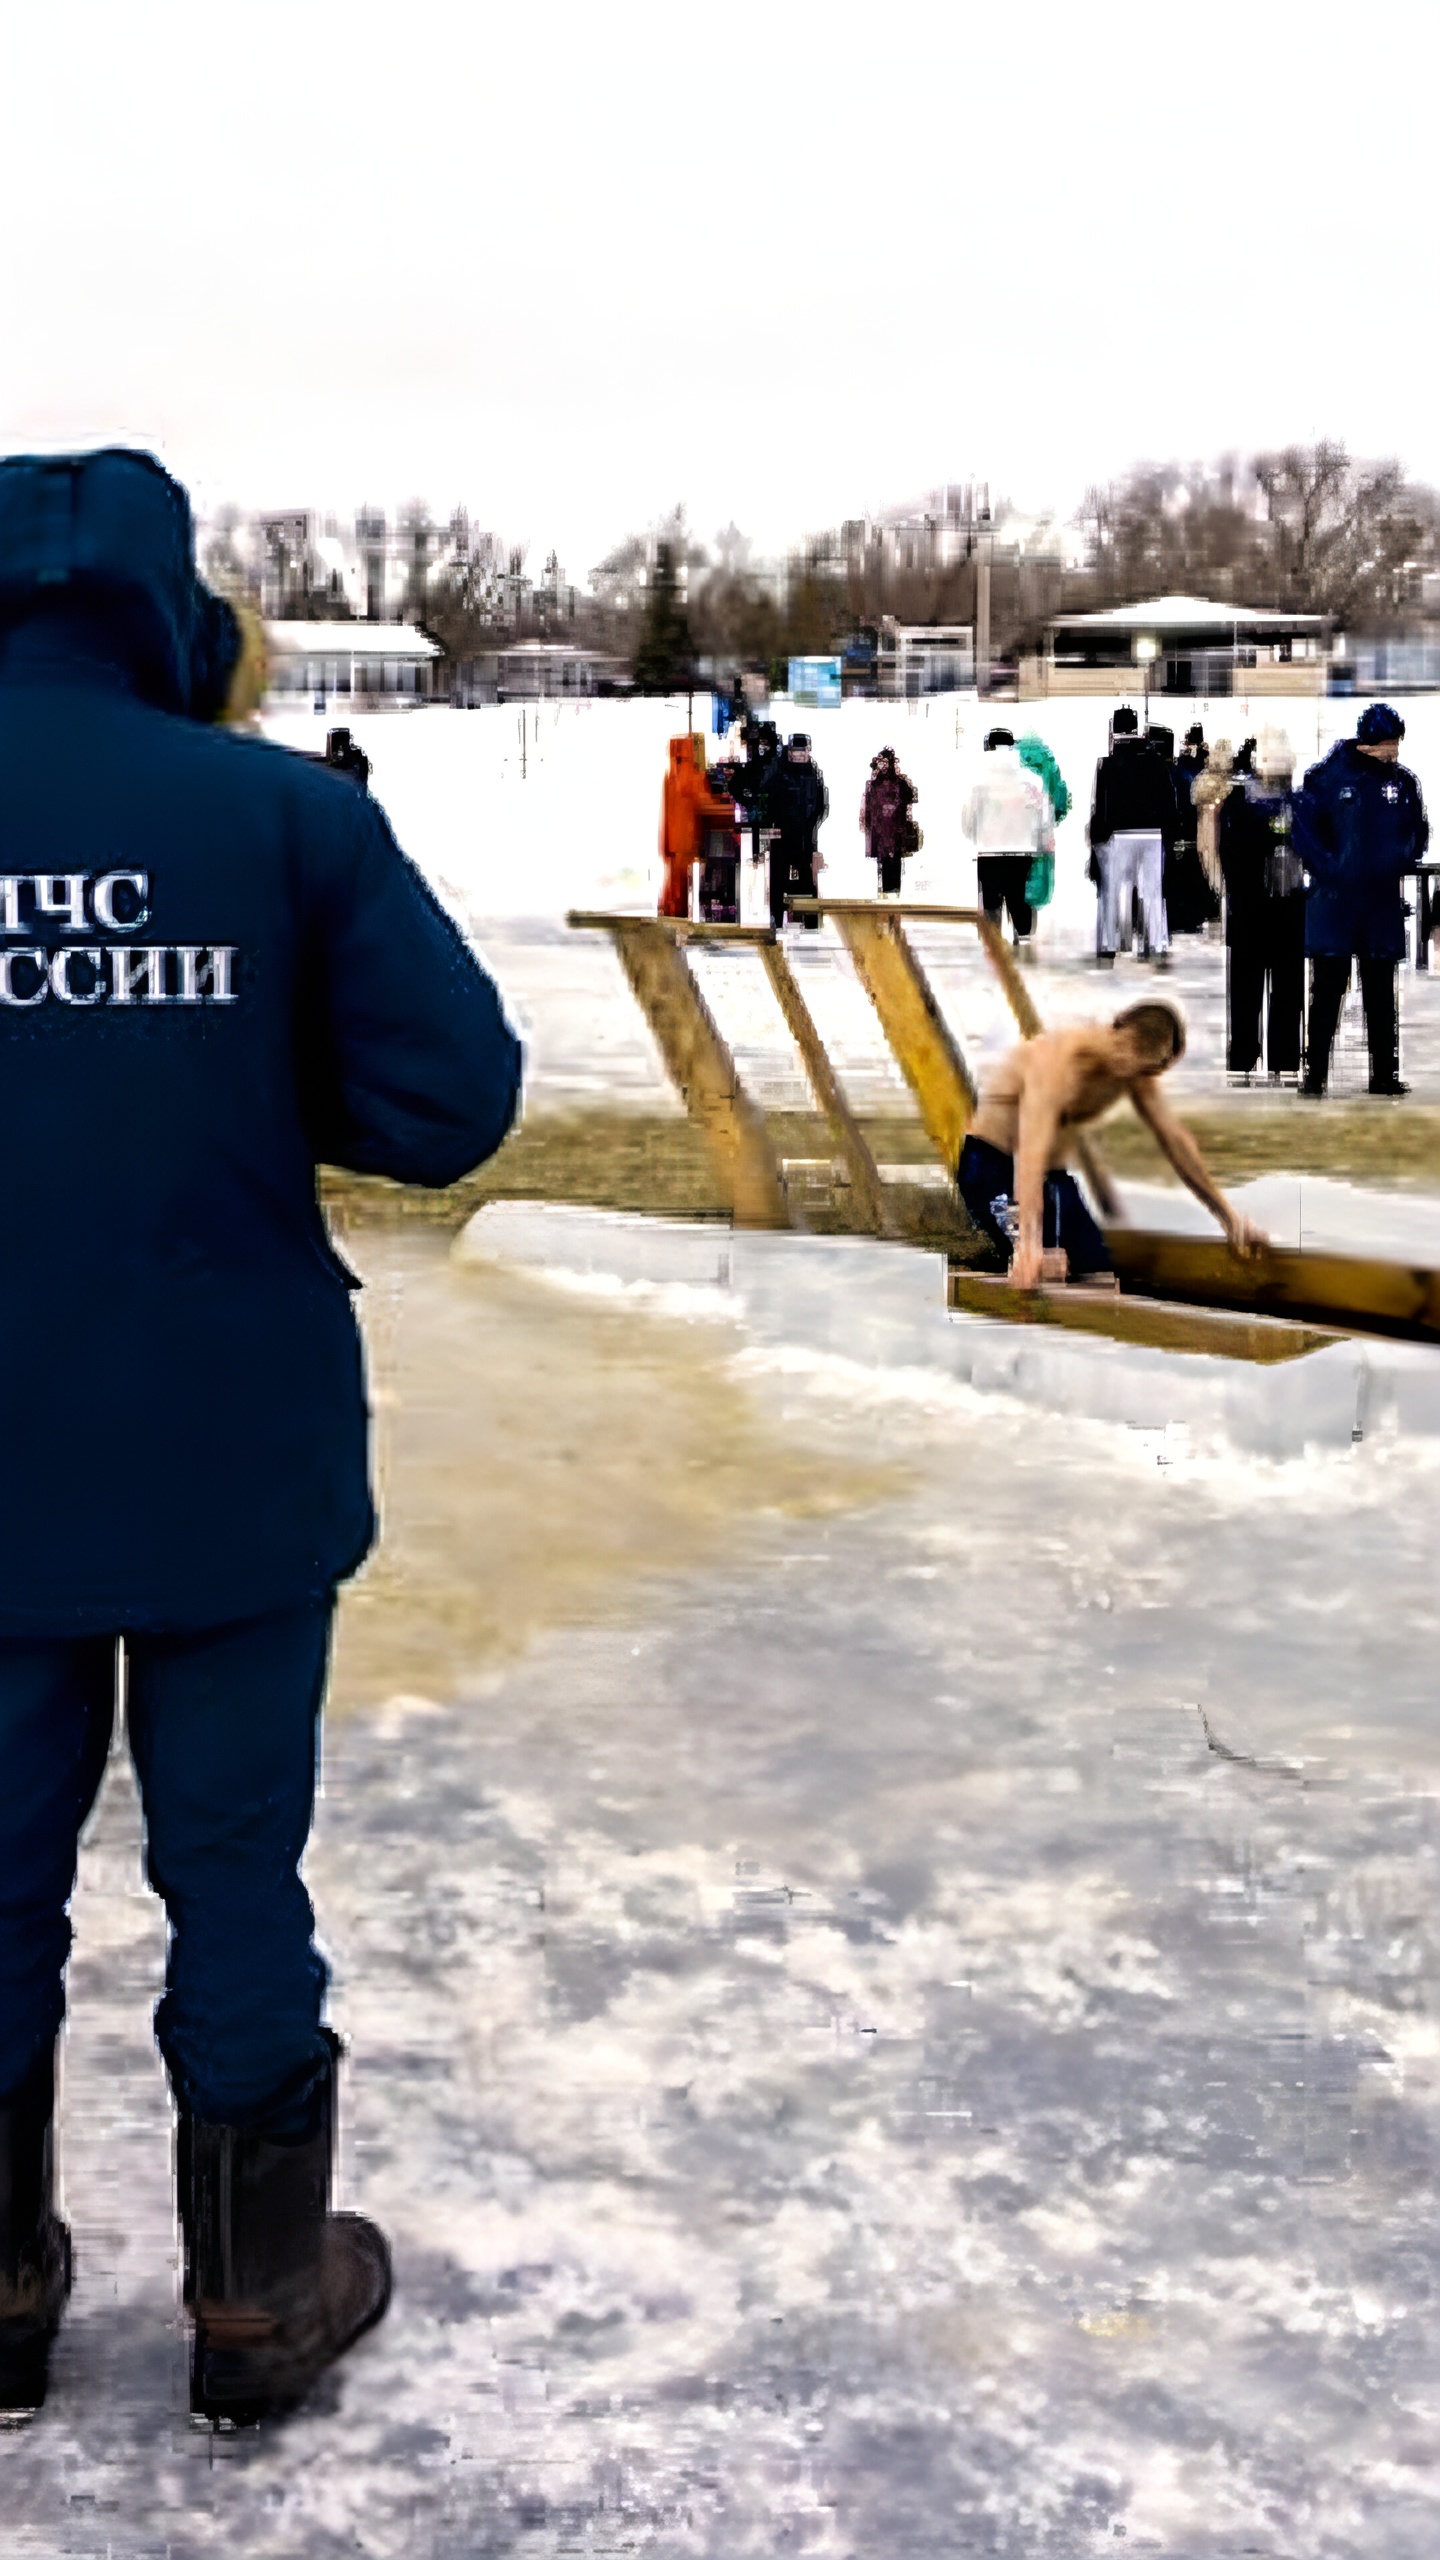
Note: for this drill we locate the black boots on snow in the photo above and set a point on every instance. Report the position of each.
(277, 2285)
(34, 2243)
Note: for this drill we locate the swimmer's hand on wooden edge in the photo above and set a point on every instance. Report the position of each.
(1243, 1237)
(1035, 1268)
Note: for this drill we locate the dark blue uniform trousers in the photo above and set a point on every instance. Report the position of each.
(223, 1728)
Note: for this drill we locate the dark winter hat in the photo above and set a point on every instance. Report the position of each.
(1195, 737)
(800, 739)
(999, 738)
(1378, 723)
(1124, 724)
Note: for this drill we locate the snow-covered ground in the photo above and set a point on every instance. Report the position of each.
(900, 2022)
(880, 1872)
(518, 816)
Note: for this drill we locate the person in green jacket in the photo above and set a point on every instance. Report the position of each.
(1037, 758)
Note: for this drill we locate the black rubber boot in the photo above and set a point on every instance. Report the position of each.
(34, 2243)
(277, 2284)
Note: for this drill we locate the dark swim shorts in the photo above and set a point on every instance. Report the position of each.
(987, 1186)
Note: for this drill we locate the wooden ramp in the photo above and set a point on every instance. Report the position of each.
(1177, 1292)
(654, 954)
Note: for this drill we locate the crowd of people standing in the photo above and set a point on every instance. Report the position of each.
(776, 793)
(1313, 874)
(1306, 878)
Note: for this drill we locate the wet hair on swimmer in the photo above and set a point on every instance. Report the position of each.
(1156, 1021)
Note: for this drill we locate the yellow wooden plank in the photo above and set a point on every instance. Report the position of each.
(1355, 1292)
(846, 911)
(1152, 1322)
(679, 928)
(925, 1050)
(902, 907)
(701, 1067)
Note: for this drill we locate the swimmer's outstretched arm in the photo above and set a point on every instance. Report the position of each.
(1177, 1144)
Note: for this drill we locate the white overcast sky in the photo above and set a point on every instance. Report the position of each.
(569, 264)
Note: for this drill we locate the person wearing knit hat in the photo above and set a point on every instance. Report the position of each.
(1359, 826)
(799, 803)
(1264, 915)
(1378, 724)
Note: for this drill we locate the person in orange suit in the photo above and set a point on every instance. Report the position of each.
(687, 807)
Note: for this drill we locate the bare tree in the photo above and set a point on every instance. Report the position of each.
(1349, 538)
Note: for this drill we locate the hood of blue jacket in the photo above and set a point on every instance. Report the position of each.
(105, 539)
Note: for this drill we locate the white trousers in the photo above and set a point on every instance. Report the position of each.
(1133, 859)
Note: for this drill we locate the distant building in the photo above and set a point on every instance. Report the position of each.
(1190, 645)
(370, 663)
(924, 657)
(1388, 666)
(550, 670)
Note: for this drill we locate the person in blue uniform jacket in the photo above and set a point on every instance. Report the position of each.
(217, 971)
(1358, 826)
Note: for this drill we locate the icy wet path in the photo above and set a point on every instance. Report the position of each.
(847, 2065)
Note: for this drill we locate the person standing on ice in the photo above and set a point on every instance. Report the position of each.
(687, 807)
(799, 803)
(1190, 902)
(1359, 827)
(889, 829)
(1264, 915)
(1132, 819)
(343, 755)
(1037, 759)
(1009, 820)
(1209, 790)
(218, 972)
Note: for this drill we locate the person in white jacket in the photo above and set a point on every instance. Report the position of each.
(1009, 820)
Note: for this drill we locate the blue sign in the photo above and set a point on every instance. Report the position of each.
(816, 683)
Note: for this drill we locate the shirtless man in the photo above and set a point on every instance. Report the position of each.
(1012, 1172)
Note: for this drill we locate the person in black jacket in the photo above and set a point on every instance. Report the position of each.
(1190, 902)
(799, 802)
(1132, 820)
(217, 971)
(1264, 915)
(1359, 827)
(343, 755)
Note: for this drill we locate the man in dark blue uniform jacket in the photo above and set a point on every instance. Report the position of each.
(1359, 825)
(217, 970)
